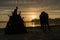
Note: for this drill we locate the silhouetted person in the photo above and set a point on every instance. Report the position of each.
(44, 21)
(15, 24)
(21, 24)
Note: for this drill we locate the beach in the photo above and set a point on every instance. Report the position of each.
(34, 33)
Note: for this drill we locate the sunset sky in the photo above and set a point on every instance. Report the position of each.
(30, 9)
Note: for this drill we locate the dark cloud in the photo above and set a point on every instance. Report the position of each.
(52, 3)
(31, 3)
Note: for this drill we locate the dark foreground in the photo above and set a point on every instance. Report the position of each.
(33, 34)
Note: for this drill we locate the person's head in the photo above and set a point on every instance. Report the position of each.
(43, 12)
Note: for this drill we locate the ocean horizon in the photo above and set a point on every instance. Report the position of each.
(27, 24)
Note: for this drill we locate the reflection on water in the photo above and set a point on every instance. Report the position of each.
(36, 24)
(27, 24)
(31, 24)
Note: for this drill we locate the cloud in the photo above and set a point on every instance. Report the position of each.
(49, 4)
(34, 3)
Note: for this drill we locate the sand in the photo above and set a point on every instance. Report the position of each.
(33, 34)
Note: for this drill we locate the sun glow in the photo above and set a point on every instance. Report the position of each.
(30, 16)
(33, 16)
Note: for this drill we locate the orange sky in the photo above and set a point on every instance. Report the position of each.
(30, 8)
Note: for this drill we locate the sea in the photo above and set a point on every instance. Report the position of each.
(27, 24)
